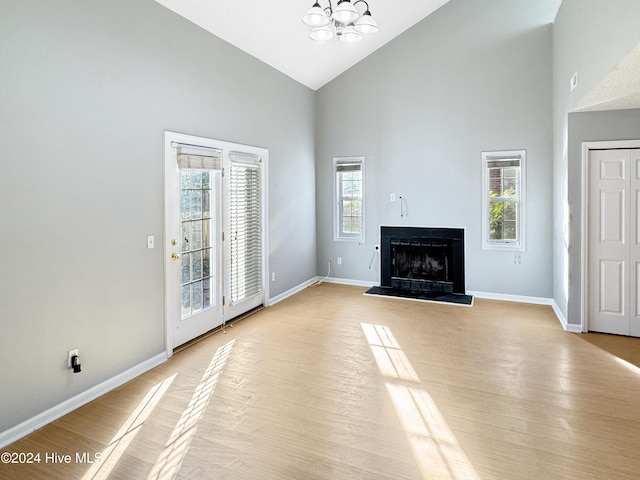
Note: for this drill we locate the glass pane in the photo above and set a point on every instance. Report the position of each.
(195, 179)
(206, 180)
(185, 208)
(206, 233)
(186, 300)
(186, 268)
(206, 262)
(503, 220)
(346, 224)
(185, 233)
(509, 211)
(357, 187)
(196, 235)
(206, 204)
(196, 266)
(509, 231)
(196, 297)
(356, 208)
(195, 198)
(184, 179)
(206, 293)
(346, 208)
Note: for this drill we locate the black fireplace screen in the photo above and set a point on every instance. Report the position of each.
(423, 259)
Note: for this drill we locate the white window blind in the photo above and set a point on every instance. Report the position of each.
(198, 158)
(245, 262)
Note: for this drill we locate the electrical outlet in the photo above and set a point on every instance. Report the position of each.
(339, 260)
(392, 197)
(273, 276)
(71, 353)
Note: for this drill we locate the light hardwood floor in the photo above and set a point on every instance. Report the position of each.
(332, 384)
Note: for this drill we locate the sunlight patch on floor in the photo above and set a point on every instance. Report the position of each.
(111, 455)
(176, 448)
(435, 448)
(391, 360)
(628, 365)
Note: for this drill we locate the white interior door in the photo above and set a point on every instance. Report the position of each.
(614, 241)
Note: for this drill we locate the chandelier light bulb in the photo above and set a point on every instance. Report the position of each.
(316, 16)
(322, 34)
(351, 35)
(345, 12)
(366, 24)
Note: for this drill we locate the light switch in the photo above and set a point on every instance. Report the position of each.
(151, 241)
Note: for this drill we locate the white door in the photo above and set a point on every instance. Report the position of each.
(193, 266)
(244, 240)
(614, 241)
(215, 219)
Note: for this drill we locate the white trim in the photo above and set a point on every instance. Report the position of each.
(292, 291)
(505, 297)
(347, 281)
(584, 219)
(40, 420)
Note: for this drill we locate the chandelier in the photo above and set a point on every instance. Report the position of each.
(344, 22)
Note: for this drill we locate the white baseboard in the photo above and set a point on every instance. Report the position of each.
(567, 327)
(347, 281)
(48, 416)
(317, 280)
(292, 291)
(511, 298)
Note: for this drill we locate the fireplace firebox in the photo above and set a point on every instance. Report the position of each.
(422, 259)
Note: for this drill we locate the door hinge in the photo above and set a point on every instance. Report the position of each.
(223, 300)
(223, 236)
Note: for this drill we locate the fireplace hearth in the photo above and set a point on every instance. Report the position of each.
(422, 262)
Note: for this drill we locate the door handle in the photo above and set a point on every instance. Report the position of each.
(175, 256)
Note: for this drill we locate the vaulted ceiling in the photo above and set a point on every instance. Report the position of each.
(274, 33)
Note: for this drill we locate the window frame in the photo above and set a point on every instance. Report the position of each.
(518, 245)
(338, 233)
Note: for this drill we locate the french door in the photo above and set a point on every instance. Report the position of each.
(614, 241)
(214, 242)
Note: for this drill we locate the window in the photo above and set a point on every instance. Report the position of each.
(503, 200)
(349, 189)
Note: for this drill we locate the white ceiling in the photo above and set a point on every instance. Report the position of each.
(274, 33)
(619, 89)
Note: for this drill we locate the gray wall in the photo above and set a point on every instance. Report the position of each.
(422, 109)
(588, 39)
(87, 89)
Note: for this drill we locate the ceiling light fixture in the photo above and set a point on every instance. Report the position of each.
(344, 22)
